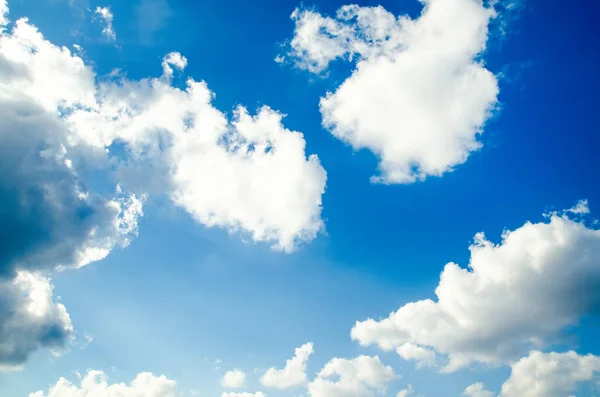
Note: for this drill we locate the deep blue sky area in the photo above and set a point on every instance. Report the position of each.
(182, 296)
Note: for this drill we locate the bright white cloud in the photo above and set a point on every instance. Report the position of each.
(405, 392)
(3, 14)
(541, 278)
(95, 384)
(419, 95)
(107, 17)
(362, 376)
(249, 174)
(550, 374)
(581, 208)
(477, 390)
(234, 379)
(173, 59)
(48, 219)
(424, 357)
(257, 394)
(294, 372)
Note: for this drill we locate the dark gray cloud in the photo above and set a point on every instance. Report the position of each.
(49, 219)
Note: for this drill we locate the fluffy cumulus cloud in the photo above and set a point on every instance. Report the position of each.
(424, 357)
(30, 319)
(249, 174)
(477, 390)
(405, 392)
(521, 293)
(362, 376)
(419, 95)
(294, 372)
(95, 384)
(106, 15)
(49, 219)
(60, 123)
(550, 374)
(234, 379)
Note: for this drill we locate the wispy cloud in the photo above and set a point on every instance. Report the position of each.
(106, 15)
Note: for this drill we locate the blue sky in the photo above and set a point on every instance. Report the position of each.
(190, 301)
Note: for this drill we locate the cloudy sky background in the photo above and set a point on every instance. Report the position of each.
(322, 199)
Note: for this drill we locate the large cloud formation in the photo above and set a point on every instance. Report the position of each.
(545, 375)
(419, 95)
(95, 384)
(61, 124)
(542, 278)
(48, 220)
(294, 372)
(362, 376)
(249, 174)
(550, 374)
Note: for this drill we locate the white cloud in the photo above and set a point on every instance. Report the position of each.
(257, 394)
(405, 392)
(95, 384)
(581, 208)
(50, 221)
(107, 17)
(173, 59)
(550, 374)
(30, 319)
(294, 372)
(477, 390)
(250, 174)
(419, 95)
(545, 375)
(234, 379)
(3, 14)
(247, 174)
(542, 278)
(424, 357)
(362, 376)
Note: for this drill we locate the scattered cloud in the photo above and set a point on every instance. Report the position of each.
(234, 379)
(362, 376)
(87, 340)
(294, 372)
(419, 96)
(405, 392)
(477, 390)
(106, 15)
(3, 14)
(521, 293)
(30, 319)
(581, 208)
(174, 59)
(545, 375)
(257, 394)
(95, 384)
(550, 374)
(248, 175)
